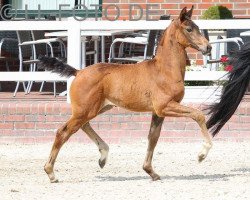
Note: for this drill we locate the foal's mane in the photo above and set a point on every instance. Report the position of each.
(160, 41)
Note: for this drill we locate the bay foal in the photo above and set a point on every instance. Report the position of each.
(155, 86)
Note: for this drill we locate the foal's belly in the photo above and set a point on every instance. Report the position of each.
(131, 101)
(130, 89)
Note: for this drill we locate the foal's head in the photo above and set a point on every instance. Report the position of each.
(188, 33)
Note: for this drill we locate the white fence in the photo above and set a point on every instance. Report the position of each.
(74, 28)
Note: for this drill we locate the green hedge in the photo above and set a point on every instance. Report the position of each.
(217, 12)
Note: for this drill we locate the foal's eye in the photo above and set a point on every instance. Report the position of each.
(189, 29)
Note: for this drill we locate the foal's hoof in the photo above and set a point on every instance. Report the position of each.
(104, 156)
(203, 154)
(201, 157)
(54, 180)
(102, 163)
(156, 178)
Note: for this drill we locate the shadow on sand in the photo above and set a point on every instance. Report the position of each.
(210, 177)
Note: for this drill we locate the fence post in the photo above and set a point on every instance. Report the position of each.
(74, 49)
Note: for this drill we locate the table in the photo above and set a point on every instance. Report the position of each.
(245, 33)
(94, 33)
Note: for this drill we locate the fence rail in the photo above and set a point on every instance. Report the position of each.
(30, 76)
(48, 76)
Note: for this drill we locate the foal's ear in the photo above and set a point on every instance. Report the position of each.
(190, 12)
(183, 14)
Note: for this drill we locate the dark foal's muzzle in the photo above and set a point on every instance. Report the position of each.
(207, 50)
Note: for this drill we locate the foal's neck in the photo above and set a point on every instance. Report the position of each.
(171, 55)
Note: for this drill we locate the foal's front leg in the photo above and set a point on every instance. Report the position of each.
(174, 109)
(154, 134)
(62, 135)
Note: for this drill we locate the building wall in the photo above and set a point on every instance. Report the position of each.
(240, 9)
(37, 122)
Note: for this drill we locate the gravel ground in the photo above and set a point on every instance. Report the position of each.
(225, 174)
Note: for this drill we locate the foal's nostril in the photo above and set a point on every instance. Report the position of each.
(206, 50)
(209, 48)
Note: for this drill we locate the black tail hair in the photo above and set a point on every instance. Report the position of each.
(233, 91)
(56, 66)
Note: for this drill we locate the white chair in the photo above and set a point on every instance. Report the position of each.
(148, 40)
(41, 44)
(136, 40)
(28, 52)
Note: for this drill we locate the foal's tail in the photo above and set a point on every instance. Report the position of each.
(56, 66)
(233, 91)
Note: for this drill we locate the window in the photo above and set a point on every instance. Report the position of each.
(45, 4)
(51, 7)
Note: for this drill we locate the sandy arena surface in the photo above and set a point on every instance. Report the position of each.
(225, 174)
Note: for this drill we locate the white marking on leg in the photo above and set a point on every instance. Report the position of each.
(104, 154)
(204, 152)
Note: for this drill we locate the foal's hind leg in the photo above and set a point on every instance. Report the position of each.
(176, 110)
(154, 134)
(62, 135)
(102, 146)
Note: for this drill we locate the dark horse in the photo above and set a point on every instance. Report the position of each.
(155, 85)
(233, 90)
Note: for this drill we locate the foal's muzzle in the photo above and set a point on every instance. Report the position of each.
(206, 50)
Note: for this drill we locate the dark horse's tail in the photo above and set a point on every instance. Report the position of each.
(56, 66)
(233, 91)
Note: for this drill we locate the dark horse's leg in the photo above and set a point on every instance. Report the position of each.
(102, 146)
(154, 134)
(62, 135)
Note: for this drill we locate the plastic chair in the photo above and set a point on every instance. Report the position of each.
(149, 40)
(232, 33)
(52, 43)
(28, 52)
(47, 46)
